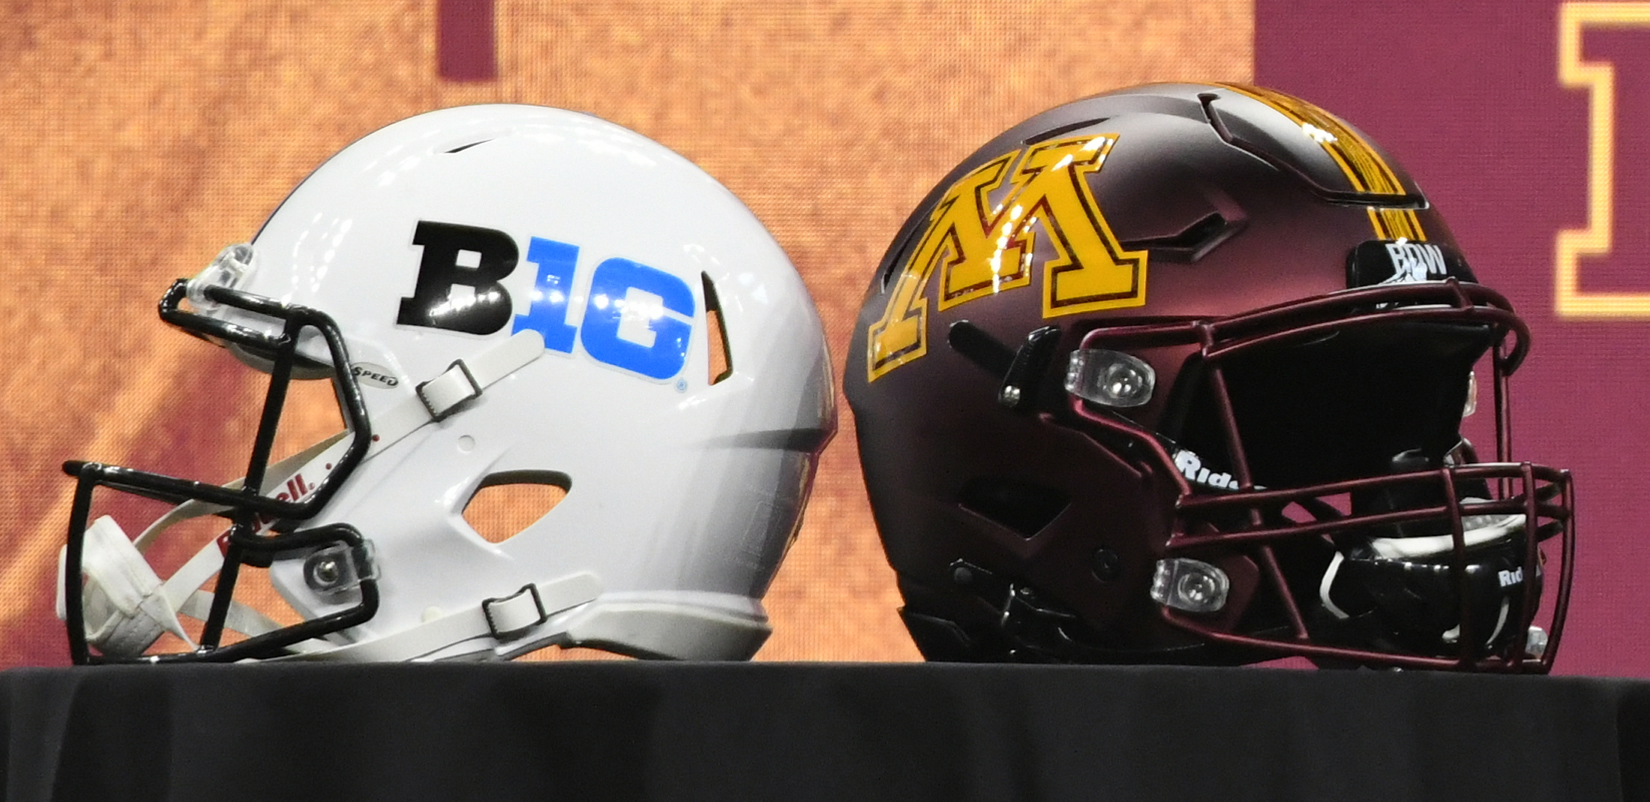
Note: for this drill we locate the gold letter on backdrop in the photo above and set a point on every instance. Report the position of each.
(1599, 79)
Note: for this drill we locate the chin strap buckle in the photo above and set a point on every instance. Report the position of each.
(445, 393)
(461, 383)
(510, 617)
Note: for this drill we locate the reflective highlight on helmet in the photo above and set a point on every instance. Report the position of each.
(498, 295)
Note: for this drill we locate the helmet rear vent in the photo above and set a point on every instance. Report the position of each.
(1022, 507)
(507, 503)
(720, 358)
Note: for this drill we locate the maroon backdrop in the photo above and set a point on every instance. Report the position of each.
(1468, 96)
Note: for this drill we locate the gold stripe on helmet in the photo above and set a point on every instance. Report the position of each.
(1363, 166)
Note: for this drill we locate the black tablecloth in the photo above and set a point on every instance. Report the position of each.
(629, 730)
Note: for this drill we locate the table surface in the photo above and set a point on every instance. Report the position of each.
(804, 731)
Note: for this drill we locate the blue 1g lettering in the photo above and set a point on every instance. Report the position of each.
(547, 314)
(636, 318)
(628, 321)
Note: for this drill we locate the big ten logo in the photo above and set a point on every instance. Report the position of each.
(635, 318)
(982, 239)
(1613, 184)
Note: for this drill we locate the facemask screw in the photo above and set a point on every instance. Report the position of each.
(1107, 565)
(323, 574)
(1536, 645)
(338, 568)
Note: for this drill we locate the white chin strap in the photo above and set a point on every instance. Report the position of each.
(125, 604)
(1476, 531)
(127, 607)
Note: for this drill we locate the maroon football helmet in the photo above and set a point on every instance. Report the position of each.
(1178, 374)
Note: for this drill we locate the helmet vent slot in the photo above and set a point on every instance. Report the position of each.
(1022, 507)
(470, 145)
(507, 503)
(1060, 130)
(720, 358)
(1191, 243)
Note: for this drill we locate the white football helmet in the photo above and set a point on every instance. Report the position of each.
(500, 294)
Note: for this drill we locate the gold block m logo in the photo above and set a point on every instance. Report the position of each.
(980, 248)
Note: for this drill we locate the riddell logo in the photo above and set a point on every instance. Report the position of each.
(1510, 578)
(1191, 465)
(296, 490)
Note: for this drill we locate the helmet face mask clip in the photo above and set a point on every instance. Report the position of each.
(1229, 506)
(261, 524)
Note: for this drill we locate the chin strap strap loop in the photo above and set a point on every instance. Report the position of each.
(461, 383)
(511, 616)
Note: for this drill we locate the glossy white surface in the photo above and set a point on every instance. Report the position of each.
(683, 495)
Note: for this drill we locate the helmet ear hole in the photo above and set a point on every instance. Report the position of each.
(506, 504)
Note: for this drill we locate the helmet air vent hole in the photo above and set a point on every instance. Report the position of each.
(470, 145)
(720, 358)
(507, 503)
(1060, 130)
(1022, 507)
(1191, 243)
